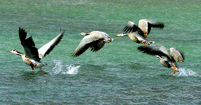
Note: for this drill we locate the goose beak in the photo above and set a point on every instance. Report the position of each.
(11, 51)
(117, 35)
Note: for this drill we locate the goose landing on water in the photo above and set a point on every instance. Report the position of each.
(33, 55)
(166, 59)
(94, 39)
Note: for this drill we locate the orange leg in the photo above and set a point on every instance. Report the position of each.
(42, 71)
(174, 69)
(143, 43)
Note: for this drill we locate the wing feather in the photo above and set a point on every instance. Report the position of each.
(47, 48)
(131, 27)
(85, 43)
(97, 45)
(177, 55)
(28, 44)
(155, 50)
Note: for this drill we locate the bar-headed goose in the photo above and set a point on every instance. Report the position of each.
(33, 55)
(94, 40)
(167, 59)
(139, 33)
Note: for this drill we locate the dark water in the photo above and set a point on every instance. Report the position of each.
(118, 73)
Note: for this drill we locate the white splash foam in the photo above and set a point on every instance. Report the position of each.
(186, 72)
(71, 69)
(58, 68)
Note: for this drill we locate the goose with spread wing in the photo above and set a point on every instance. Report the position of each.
(167, 59)
(94, 40)
(32, 55)
(139, 33)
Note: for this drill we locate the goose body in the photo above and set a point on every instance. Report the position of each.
(94, 40)
(136, 37)
(32, 55)
(167, 59)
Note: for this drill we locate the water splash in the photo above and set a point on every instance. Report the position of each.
(59, 68)
(71, 69)
(186, 72)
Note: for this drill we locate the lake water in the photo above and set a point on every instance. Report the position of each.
(118, 73)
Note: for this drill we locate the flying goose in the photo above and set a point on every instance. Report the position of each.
(139, 33)
(144, 26)
(167, 59)
(94, 39)
(33, 55)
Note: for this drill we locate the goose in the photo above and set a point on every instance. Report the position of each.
(94, 39)
(144, 26)
(167, 59)
(32, 55)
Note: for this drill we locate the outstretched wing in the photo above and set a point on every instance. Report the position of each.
(145, 25)
(47, 48)
(177, 55)
(97, 45)
(155, 50)
(85, 43)
(132, 27)
(28, 44)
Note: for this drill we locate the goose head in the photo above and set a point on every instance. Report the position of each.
(121, 34)
(83, 33)
(14, 51)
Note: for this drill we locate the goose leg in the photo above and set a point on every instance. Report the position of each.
(174, 69)
(42, 71)
(144, 43)
(173, 73)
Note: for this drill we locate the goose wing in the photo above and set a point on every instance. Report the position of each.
(47, 48)
(155, 50)
(177, 55)
(145, 25)
(132, 27)
(97, 45)
(88, 41)
(28, 44)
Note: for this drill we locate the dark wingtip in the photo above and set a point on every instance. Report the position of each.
(158, 25)
(161, 25)
(74, 55)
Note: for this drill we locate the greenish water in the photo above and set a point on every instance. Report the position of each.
(118, 73)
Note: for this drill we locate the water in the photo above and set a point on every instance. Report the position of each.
(118, 73)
